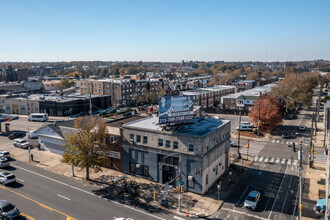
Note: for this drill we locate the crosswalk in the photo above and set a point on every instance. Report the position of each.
(277, 141)
(319, 158)
(253, 151)
(274, 160)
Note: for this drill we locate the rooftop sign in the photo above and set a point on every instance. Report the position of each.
(175, 109)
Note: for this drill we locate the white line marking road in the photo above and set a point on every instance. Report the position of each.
(81, 190)
(289, 162)
(243, 213)
(261, 158)
(295, 162)
(266, 160)
(176, 217)
(63, 197)
(20, 180)
(255, 158)
(241, 196)
(272, 160)
(277, 193)
(286, 196)
(283, 161)
(277, 160)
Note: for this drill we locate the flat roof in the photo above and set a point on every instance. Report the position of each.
(119, 122)
(198, 127)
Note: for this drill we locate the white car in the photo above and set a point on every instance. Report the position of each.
(4, 154)
(252, 200)
(6, 178)
(21, 143)
(4, 162)
(245, 128)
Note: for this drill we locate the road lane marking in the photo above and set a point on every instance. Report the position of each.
(39, 203)
(277, 160)
(283, 161)
(243, 213)
(266, 160)
(81, 190)
(242, 195)
(295, 162)
(20, 180)
(256, 158)
(272, 160)
(63, 197)
(277, 193)
(261, 158)
(278, 141)
(289, 162)
(286, 195)
(27, 216)
(176, 217)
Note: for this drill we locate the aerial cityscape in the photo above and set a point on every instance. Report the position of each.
(167, 110)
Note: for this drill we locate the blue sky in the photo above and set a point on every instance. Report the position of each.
(155, 30)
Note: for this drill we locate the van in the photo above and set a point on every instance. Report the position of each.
(38, 117)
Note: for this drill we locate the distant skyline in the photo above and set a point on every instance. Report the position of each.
(166, 31)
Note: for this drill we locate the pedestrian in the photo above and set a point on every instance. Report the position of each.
(31, 157)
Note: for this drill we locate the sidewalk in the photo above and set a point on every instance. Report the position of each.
(315, 178)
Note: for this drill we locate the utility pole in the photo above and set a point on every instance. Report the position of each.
(311, 150)
(239, 133)
(258, 119)
(180, 188)
(90, 99)
(318, 103)
(300, 156)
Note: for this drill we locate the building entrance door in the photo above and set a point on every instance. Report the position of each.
(168, 173)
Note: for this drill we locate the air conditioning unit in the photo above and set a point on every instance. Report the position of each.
(190, 178)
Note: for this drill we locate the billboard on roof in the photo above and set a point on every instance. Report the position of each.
(175, 109)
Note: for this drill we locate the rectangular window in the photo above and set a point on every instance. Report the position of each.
(190, 147)
(113, 139)
(132, 167)
(145, 171)
(175, 161)
(160, 142)
(131, 137)
(175, 145)
(138, 138)
(168, 144)
(207, 179)
(145, 139)
(160, 158)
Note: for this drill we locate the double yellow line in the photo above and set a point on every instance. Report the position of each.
(42, 205)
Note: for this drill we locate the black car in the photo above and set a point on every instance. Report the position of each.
(16, 134)
(286, 135)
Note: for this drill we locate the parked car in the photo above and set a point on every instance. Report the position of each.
(38, 117)
(252, 200)
(21, 143)
(233, 144)
(245, 128)
(7, 178)
(8, 211)
(4, 162)
(285, 135)
(320, 206)
(302, 128)
(16, 134)
(4, 154)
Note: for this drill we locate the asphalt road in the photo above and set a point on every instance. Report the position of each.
(40, 194)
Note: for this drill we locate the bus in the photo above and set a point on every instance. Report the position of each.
(38, 117)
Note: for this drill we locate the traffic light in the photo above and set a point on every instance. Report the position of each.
(300, 207)
(247, 146)
(177, 189)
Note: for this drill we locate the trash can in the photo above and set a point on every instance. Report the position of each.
(7, 128)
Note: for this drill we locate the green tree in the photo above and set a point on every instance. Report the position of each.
(66, 83)
(83, 147)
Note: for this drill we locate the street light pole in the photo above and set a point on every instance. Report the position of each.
(300, 181)
(239, 133)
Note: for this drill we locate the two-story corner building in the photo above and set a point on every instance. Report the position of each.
(115, 142)
(203, 145)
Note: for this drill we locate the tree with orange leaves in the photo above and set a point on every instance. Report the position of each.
(270, 113)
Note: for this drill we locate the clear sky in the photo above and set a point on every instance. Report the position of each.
(164, 30)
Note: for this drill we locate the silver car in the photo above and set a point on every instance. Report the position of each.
(4, 162)
(7, 177)
(4, 154)
(252, 200)
(21, 143)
